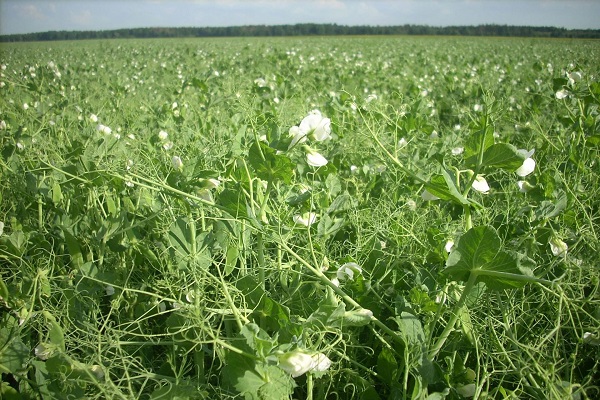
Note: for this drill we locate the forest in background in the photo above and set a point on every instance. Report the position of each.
(307, 30)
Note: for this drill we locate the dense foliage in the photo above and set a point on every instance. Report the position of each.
(376, 218)
(307, 30)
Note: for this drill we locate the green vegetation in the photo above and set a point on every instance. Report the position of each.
(375, 218)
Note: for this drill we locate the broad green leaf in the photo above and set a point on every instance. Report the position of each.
(549, 209)
(327, 315)
(269, 165)
(258, 340)
(479, 252)
(387, 366)
(276, 315)
(411, 329)
(234, 202)
(445, 189)
(13, 352)
(503, 155)
(256, 380)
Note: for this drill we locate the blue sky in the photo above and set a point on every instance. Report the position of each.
(24, 16)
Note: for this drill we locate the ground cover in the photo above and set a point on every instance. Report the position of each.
(265, 218)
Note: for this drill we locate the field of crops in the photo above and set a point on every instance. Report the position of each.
(308, 218)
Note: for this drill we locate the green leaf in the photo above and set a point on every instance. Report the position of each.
(13, 352)
(474, 142)
(445, 189)
(256, 380)
(276, 315)
(7, 392)
(387, 366)
(503, 155)
(231, 258)
(234, 202)
(479, 252)
(269, 165)
(411, 329)
(179, 391)
(74, 249)
(360, 317)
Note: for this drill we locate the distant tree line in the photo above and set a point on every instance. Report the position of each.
(308, 30)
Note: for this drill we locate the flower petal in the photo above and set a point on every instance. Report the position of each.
(315, 159)
(480, 184)
(527, 167)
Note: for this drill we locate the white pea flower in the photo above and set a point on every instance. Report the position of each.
(427, 196)
(162, 135)
(104, 129)
(434, 135)
(25, 106)
(109, 290)
(402, 142)
(477, 108)
(590, 338)
(93, 118)
(457, 151)
(2, 125)
(558, 247)
(177, 163)
(524, 186)
(315, 159)
(1, 228)
(316, 125)
(574, 76)
(299, 362)
(297, 136)
(528, 165)
(353, 168)
(562, 94)
(481, 185)
(42, 352)
(167, 146)
(347, 271)
(296, 362)
(320, 362)
(97, 371)
(306, 219)
(212, 183)
(449, 246)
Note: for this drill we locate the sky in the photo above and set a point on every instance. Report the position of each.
(26, 16)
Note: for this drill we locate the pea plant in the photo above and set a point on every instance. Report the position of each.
(377, 218)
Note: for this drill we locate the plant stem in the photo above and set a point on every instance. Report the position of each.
(450, 326)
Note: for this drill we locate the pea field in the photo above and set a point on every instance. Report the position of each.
(300, 218)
